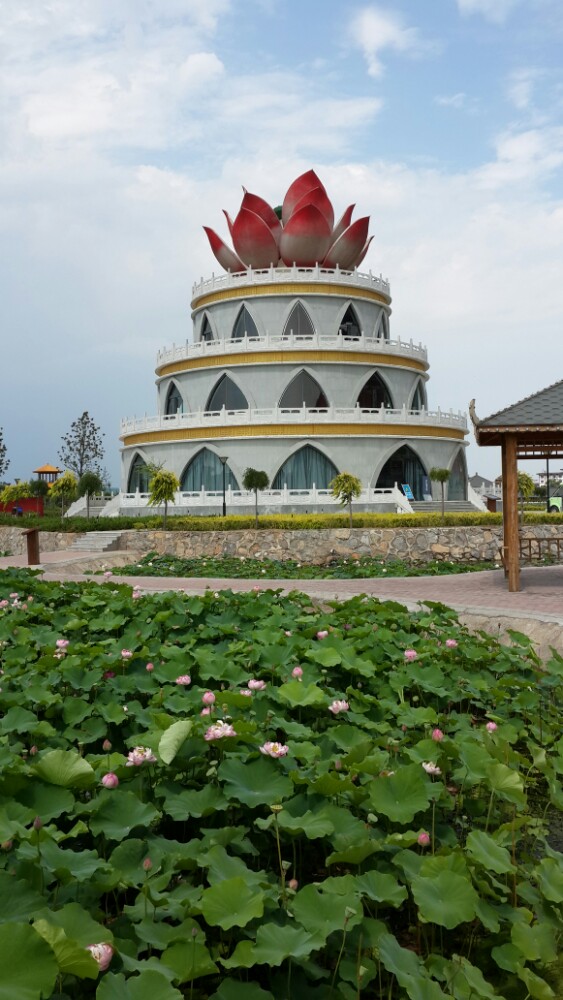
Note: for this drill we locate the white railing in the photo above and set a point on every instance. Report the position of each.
(279, 341)
(281, 275)
(271, 498)
(299, 415)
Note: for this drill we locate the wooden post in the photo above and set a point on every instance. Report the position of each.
(504, 506)
(510, 515)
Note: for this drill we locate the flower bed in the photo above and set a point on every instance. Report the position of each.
(241, 796)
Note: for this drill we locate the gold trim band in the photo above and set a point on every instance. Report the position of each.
(295, 288)
(268, 357)
(291, 430)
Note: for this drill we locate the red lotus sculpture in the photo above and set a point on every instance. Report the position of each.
(305, 235)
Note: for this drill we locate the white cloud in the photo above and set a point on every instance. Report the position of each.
(374, 30)
(523, 157)
(457, 101)
(496, 11)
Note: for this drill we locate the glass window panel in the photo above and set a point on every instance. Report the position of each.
(205, 471)
(138, 476)
(403, 467)
(303, 390)
(375, 394)
(244, 326)
(174, 401)
(350, 325)
(305, 469)
(457, 483)
(227, 394)
(206, 331)
(299, 323)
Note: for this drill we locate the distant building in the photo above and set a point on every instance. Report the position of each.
(481, 485)
(555, 476)
(47, 474)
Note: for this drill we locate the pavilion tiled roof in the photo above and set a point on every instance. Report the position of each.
(48, 468)
(542, 409)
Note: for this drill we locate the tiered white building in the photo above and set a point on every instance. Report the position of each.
(292, 370)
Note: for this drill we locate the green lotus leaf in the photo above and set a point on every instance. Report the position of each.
(233, 989)
(149, 985)
(67, 863)
(188, 961)
(118, 812)
(46, 801)
(550, 878)
(231, 903)
(447, 899)
(65, 768)
(325, 655)
(465, 980)
(322, 913)
(408, 969)
(77, 924)
(507, 783)
(313, 824)
(19, 900)
(19, 720)
(274, 943)
(173, 738)
(507, 957)
(15, 819)
(401, 795)
(297, 693)
(256, 783)
(201, 802)
(29, 967)
(221, 866)
(382, 888)
(537, 988)
(486, 850)
(72, 957)
(536, 942)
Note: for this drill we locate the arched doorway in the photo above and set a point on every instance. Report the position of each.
(404, 466)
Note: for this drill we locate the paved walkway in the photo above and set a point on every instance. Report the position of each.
(483, 593)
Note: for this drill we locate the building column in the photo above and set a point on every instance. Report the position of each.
(510, 511)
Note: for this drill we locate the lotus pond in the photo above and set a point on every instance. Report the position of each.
(246, 797)
(248, 568)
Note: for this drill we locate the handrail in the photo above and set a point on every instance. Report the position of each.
(281, 275)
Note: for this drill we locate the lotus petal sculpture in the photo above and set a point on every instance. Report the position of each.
(306, 234)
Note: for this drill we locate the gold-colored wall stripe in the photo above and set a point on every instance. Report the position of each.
(291, 430)
(269, 357)
(296, 289)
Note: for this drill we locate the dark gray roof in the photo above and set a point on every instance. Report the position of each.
(543, 409)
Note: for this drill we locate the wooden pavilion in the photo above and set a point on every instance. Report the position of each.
(532, 428)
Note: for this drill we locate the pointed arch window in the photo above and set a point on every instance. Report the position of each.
(299, 323)
(244, 326)
(304, 469)
(404, 466)
(303, 390)
(419, 398)
(375, 394)
(138, 476)
(226, 394)
(206, 331)
(350, 324)
(205, 471)
(174, 401)
(457, 483)
(383, 329)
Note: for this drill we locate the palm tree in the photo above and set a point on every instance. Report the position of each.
(440, 476)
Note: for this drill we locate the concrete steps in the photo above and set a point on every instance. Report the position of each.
(96, 541)
(435, 506)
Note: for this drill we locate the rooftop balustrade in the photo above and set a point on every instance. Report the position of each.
(283, 275)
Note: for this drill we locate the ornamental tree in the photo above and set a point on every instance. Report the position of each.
(82, 447)
(89, 483)
(64, 489)
(4, 461)
(16, 491)
(345, 487)
(255, 480)
(163, 485)
(440, 476)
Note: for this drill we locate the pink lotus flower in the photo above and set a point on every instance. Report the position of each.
(62, 643)
(491, 727)
(423, 839)
(126, 654)
(208, 698)
(338, 706)
(297, 672)
(430, 767)
(108, 674)
(149, 667)
(218, 731)
(451, 643)
(110, 780)
(4, 604)
(306, 234)
(103, 953)
(147, 864)
(410, 655)
(140, 755)
(322, 634)
(437, 735)
(293, 884)
(256, 685)
(205, 711)
(246, 692)
(270, 749)
(288, 632)
(183, 680)
(106, 746)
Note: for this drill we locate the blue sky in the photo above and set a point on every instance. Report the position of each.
(127, 125)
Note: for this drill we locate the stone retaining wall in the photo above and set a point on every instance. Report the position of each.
(414, 545)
